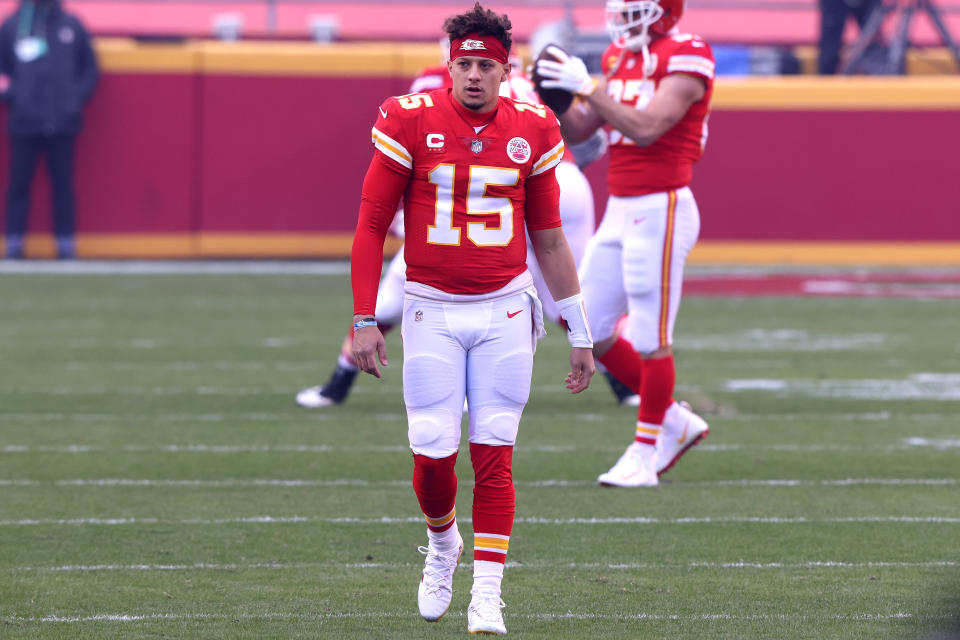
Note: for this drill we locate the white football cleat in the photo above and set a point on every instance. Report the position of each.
(632, 400)
(682, 429)
(484, 615)
(436, 581)
(633, 469)
(313, 398)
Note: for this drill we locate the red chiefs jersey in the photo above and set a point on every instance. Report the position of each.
(465, 202)
(667, 163)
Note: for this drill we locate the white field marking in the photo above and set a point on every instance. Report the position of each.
(223, 449)
(388, 520)
(149, 267)
(926, 290)
(361, 482)
(375, 615)
(169, 417)
(794, 340)
(843, 417)
(590, 566)
(936, 444)
(917, 386)
(187, 365)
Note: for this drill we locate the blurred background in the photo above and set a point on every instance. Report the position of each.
(240, 128)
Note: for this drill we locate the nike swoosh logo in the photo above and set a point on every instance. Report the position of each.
(382, 112)
(683, 436)
(510, 315)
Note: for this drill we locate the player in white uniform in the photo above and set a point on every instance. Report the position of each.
(654, 100)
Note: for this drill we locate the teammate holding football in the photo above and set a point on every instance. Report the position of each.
(474, 170)
(655, 99)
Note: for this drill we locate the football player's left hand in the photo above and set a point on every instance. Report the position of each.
(368, 348)
(567, 72)
(582, 369)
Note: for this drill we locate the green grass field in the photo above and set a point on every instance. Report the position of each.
(158, 481)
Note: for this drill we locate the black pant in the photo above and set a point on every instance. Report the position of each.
(833, 20)
(24, 153)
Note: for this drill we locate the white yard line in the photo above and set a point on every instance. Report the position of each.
(387, 520)
(374, 615)
(361, 482)
(176, 267)
(589, 566)
(906, 444)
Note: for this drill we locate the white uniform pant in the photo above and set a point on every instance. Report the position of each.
(577, 216)
(479, 350)
(634, 264)
(390, 291)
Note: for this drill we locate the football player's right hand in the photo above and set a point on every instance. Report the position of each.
(565, 72)
(369, 348)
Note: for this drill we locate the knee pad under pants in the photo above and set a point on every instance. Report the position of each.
(482, 351)
(499, 388)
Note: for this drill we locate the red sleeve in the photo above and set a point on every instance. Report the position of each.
(383, 186)
(543, 201)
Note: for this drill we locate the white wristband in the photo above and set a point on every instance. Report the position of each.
(575, 315)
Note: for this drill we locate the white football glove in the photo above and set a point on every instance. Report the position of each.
(568, 73)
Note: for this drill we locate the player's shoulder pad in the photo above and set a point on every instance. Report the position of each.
(408, 106)
(398, 116)
(610, 57)
(531, 113)
(691, 54)
(689, 43)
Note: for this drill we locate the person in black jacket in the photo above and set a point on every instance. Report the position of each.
(48, 71)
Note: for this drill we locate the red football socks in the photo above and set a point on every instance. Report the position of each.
(494, 502)
(624, 363)
(435, 484)
(656, 389)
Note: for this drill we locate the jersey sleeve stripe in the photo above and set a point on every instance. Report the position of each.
(548, 160)
(693, 59)
(699, 70)
(391, 148)
(692, 64)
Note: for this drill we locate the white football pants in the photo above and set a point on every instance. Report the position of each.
(634, 264)
(479, 350)
(577, 215)
(390, 291)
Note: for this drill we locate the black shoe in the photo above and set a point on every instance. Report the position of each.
(334, 391)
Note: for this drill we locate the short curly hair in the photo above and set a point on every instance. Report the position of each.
(481, 21)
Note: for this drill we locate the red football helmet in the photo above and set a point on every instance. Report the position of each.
(628, 21)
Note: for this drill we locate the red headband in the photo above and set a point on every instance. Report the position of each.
(474, 44)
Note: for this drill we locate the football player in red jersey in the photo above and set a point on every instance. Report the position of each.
(474, 170)
(654, 99)
(576, 212)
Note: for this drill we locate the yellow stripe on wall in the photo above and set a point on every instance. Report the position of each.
(338, 245)
(837, 92)
(828, 253)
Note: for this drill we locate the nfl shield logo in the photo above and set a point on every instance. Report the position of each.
(476, 146)
(418, 316)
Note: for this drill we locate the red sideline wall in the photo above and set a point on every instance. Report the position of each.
(258, 150)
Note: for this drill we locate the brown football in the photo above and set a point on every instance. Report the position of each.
(557, 99)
